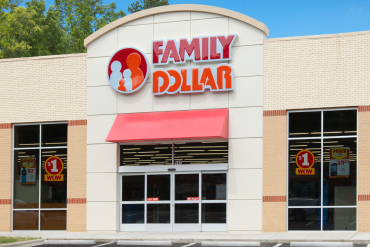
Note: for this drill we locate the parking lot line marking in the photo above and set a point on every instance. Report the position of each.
(188, 245)
(277, 245)
(103, 244)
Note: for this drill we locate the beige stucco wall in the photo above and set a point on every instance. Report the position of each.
(244, 103)
(317, 71)
(38, 89)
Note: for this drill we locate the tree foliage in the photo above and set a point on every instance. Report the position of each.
(27, 31)
(81, 18)
(145, 4)
(31, 30)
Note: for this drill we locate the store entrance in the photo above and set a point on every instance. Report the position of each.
(173, 201)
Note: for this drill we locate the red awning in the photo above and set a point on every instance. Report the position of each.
(166, 126)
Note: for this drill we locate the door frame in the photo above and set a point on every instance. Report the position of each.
(172, 226)
(196, 227)
(149, 227)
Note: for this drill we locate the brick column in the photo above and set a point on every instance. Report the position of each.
(76, 185)
(5, 177)
(274, 171)
(363, 164)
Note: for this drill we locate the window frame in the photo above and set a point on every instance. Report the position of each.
(39, 148)
(206, 227)
(322, 138)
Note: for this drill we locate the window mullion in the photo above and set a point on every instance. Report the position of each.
(40, 158)
(322, 170)
(173, 153)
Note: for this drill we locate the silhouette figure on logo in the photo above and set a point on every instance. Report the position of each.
(122, 86)
(127, 80)
(116, 75)
(137, 76)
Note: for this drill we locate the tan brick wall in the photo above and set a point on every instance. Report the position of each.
(274, 217)
(76, 217)
(5, 218)
(363, 164)
(76, 186)
(363, 153)
(5, 178)
(317, 71)
(274, 172)
(363, 216)
(38, 89)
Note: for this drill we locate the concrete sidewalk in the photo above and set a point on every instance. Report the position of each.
(198, 237)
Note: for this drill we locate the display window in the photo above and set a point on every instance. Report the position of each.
(322, 170)
(40, 176)
(181, 153)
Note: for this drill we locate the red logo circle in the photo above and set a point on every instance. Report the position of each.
(127, 70)
(54, 165)
(305, 159)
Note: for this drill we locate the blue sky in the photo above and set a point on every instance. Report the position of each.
(287, 18)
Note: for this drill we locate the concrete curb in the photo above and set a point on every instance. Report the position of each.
(29, 243)
(321, 244)
(163, 243)
(69, 242)
(231, 244)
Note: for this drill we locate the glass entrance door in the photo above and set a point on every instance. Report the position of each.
(187, 202)
(173, 201)
(158, 202)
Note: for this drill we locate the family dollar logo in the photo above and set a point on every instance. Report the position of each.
(127, 70)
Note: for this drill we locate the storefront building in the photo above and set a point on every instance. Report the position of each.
(186, 118)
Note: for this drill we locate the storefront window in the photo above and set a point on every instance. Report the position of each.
(201, 152)
(214, 213)
(159, 186)
(304, 190)
(322, 170)
(26, 136)
(158, 214)
(133, 188)
(148, 154)
(26, 195)
(187, 185)
(207, 152)
(54, 194)
(37, 187)
(305, 124)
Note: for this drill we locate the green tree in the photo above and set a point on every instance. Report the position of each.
(33, 31)
(52, 38)
(81, 18)
(6, 5)
(16, 29)
(145, 4)
(27, 31)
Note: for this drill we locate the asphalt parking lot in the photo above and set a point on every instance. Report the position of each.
(110, 244)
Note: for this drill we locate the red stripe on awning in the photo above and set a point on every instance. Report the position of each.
(177, 125)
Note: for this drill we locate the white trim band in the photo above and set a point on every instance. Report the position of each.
(175, 168)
